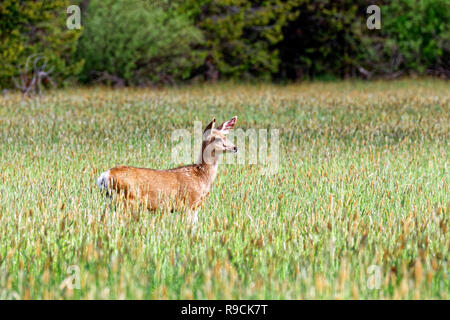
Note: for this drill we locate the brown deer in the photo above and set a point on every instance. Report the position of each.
(180, 188)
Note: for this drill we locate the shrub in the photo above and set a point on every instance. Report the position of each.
(241, 35)
(36, 27)
(138, 42)
(324, 41)
(415, 37)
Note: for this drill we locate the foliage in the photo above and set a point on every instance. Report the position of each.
(415, 36)
(324, 40)
(142, 42)
(36, 27)
(241, 35)
(331, 38)
(138, 42)
(309, 39)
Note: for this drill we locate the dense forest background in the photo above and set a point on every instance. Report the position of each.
(150, 42)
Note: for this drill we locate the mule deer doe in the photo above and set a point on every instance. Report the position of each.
(184, 187)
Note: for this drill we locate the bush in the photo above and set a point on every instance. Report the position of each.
(137, 42)
(323, 41)
(133, 42)
(330, 38)
(415, 37)
(241, 35)
(29, 28)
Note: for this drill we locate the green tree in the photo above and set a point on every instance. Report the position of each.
(241, 35)
(414, 37)
(324, 40)
(36, 27)
(138, 42)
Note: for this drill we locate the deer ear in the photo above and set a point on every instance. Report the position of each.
(227, 125)
(211, 125)
(208, 128)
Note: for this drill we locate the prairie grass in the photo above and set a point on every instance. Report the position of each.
(359, 207)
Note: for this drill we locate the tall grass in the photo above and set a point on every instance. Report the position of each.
(358, 208)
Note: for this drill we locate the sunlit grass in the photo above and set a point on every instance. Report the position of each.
(358, 208)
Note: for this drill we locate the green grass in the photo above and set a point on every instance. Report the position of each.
(363, 181)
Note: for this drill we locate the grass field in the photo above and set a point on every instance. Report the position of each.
(359, 207)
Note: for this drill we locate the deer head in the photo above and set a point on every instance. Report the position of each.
(215, 141)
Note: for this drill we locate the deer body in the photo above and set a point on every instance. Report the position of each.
(183, 186)
(179, 188)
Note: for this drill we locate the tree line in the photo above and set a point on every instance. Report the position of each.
(149, 42)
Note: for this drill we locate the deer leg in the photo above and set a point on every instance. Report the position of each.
(192, 218)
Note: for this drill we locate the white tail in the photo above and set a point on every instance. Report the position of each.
(182, 187)
(102, 181)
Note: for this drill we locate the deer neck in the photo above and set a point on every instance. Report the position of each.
(208, 166)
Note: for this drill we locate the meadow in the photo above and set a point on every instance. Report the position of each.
(358, 209)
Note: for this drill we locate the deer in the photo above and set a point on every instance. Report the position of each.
(183, 188)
